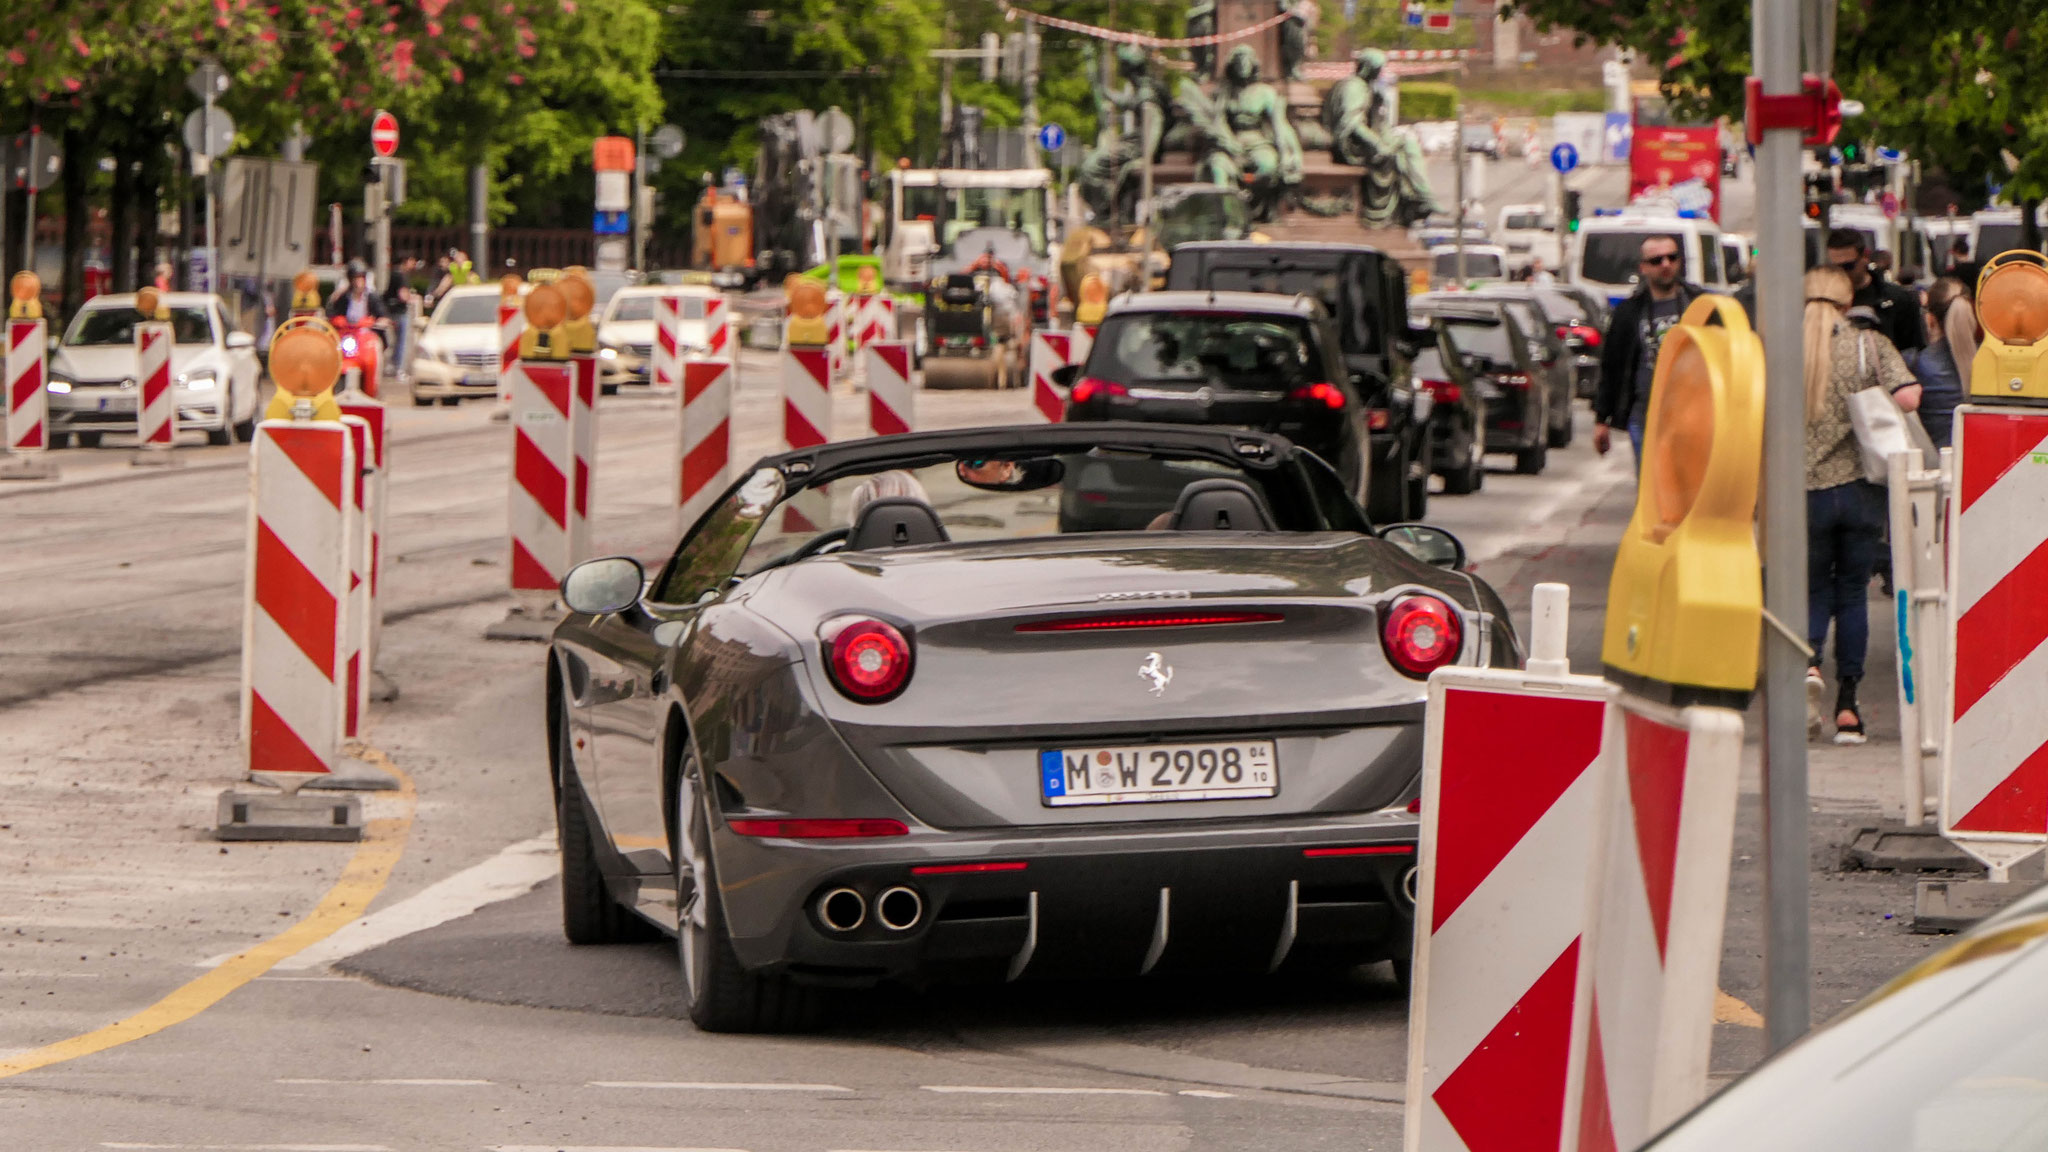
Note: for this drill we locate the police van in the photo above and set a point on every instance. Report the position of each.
(1608, 246)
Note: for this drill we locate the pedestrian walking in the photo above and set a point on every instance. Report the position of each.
(1897, 309)
(1943, 366)
(1635, 330)
(1845, 514)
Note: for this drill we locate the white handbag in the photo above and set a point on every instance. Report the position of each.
(1879, 423)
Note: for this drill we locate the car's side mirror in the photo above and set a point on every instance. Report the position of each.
(1431, 545)
(239, 341)
(1066, 374)
(601, 587)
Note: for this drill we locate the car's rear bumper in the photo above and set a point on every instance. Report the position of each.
(1113, 902)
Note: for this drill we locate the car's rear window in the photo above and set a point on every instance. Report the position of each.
(1196, 348)
(1478, 265)
(104, 326)
(1484, 338)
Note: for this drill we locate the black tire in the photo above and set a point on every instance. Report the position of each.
(1465, 480)
(450, 401)
(225, 434)
(719, 994)
(608, 389)
(589, 914)
(1561, 428)
(60, 440)
(89, 439)
(1418, 496)
(1530, 461)
(419, 401)
(1387, 496)
(246, 430)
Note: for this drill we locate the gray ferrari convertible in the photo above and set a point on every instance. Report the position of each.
(1052, 701)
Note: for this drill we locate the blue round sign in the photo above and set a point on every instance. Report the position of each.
(1052, 137)
(1564, 157)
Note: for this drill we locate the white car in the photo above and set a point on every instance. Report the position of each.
(456, 352)
(1529, 232)
(1482, 262)
(625, 333)
(214, 371)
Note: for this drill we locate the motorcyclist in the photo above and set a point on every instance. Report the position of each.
(355, 303)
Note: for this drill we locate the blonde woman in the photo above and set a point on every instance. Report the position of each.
(1845, 515)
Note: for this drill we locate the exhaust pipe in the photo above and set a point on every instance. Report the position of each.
(899, 909)
(842, 909)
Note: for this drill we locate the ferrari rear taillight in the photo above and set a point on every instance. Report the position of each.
(1089, 388)
(855, 829)
(1148, 620)
(1325, 393)
(1443, 391)
(1421, 634)
(869, 659)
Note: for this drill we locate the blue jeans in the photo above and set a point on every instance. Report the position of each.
(1844, 536)
(1635, 441)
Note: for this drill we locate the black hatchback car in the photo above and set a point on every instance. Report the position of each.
(1517, 391)
(1245, 359)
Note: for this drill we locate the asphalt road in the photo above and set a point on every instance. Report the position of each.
(454, 1016)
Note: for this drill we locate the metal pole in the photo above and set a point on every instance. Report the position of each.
(28, 239)
(1458, 219)
(479, 220)
(1787, 1013)
(210, 181)
(1147, 112)
(1030, 85)
(639, 184)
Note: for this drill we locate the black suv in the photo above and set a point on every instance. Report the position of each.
(1365, 291)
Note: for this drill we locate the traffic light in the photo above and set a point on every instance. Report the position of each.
(1685, 605)
(1571, 211)
(2012, 307)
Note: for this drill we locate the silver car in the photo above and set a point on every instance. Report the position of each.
(214, 370)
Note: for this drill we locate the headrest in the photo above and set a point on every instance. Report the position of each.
(895, 522)
(1221, 506)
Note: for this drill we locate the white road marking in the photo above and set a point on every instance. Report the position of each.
(995, 1090)
(407, 1083)
(716, 1086)
(514, 871)
(597, 1148)
(1208, 1094)
(263, 1147)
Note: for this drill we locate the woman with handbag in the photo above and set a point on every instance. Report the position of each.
(1845, 512)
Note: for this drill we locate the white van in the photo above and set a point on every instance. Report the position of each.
(1996, 230)
(1529, 232)
(1609, 245)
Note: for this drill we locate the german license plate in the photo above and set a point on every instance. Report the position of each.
(1147, 773)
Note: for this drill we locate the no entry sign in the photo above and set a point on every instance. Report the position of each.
(384, 133)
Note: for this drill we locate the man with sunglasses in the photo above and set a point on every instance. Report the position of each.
(1897, 308)
(1635, 330)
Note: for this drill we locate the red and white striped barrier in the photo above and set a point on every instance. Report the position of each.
(1656, 956)
(665, 358)
(1081, 338)
(806, 396)
(156, 409)
(1918, 499)
(1994, 789)
(877, 319)
(835, 331)
(583, 437)
(511, 326)
(355, 637)
(28, 402)
(1506, 897)
(543, 461)
(704, 453)
(720, 334)
(892, 394)
(375, 463)
(295, 619)
(1049, 353)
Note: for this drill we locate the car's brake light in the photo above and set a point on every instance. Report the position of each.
(1377, 419)
(1360, 850)
(979, 341)
(1327, 394)
(962, 869)
(1421, 634)
(1088, 388)
(1588, 333)
(819, 829)
(1444, 391)
(869, 659)
(1147, 620)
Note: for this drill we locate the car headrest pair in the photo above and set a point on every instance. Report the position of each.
(895, 522)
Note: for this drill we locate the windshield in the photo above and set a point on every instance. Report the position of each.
(922, 202)
(103, 326)
(1612, 257)
(1478, 265)
(478, 308)
(1527, 220)
(1017, 209)
(1218, 348)
(1995, 238)
(1486, 339)
(632, 308)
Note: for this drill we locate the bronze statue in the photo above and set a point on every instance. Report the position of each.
(1109, 171)
(1294, 34)
(1393, 191)
(1250, 142)
(1202, 22)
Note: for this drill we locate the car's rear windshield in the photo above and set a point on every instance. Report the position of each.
(481, 308)
(1526, 220)
(103, 326)
(1487, 339)
(633, 308)
(1215, 348)
(1478, 265)
(1614, 257)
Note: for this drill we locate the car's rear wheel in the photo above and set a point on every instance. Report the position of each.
(1561, 426)
(1468, 478)
(720, 995)
(589, 914)
(1530, 461)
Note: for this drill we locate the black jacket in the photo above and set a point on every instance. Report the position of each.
(1621, 349)
(373, 306)
(1898, 312)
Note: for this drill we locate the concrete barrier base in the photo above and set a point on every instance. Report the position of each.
(1898, 848)
(1953, 905)
(523, 623)
(250, 815)
(29, 466)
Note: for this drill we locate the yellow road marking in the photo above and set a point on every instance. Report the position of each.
(1729, 1010)
(382, 844)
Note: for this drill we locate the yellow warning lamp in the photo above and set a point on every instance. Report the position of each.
(1418, 281)
(2012, 307)
(576, 289)
(305, 361)
(804, 300)
(543, 275)
(25, 294)
(547, 310)
(151, 305)
(864, 280)
(509, 286)
(1093, 302)
(305, 293)
(1685, 605)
